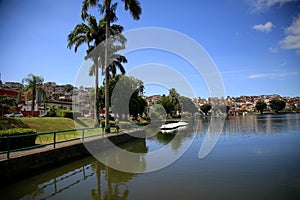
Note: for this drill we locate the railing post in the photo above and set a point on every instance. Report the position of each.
(82, 135)
(8, 147)
(54, 139)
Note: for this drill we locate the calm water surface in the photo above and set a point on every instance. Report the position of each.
(256, 157)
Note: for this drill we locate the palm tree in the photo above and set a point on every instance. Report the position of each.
(93, 34)
(108, 8)
(33, 84)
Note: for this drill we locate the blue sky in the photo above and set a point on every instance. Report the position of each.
(255, 44)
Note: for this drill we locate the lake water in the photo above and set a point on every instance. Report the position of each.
(256, 157)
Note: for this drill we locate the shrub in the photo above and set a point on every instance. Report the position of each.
(16, 131)
(26, 139)
(111, 123)
(69, 114)
(52, 112)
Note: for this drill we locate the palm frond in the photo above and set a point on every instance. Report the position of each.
(134, 7)
(86, 4)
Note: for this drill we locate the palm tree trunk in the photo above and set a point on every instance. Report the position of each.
(96, 100)
(33, 101)
(107, 128)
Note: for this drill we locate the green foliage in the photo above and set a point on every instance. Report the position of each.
(16, 131)
(68, 114)
(121, 87)
(174, 103)
(34, 83)
(157, 112)
(69, 87)
(52, 112)
(260, 106)
(7, 101)
(26, 138)
(166, 102)
(277, 105)
(187, 105)
(111, 123)
(174, 98)
(137, 105)
(205, 108)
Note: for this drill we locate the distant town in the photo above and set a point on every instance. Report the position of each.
(61, 97)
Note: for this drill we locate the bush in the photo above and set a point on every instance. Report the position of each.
(26, 139)
(111, 123)
(69, 114)
(16, 131)
(52, 112)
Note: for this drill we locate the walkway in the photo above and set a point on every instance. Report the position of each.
(49, 147)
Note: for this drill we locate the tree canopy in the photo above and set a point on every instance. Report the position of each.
(93, 33)
(33, 84)
(175, 104)
(205, 108)
(166, 102)
(126, 96)
(260, 106)
(277, 105)
(108, 9)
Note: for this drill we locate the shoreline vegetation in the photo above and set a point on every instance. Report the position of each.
(27, 132)
(51, 124)
(68, 129)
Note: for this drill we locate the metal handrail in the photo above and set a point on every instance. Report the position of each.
(55, 141)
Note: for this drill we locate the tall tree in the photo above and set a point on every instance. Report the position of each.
(127, 90)
(108, 8)
(277, 105)
(205, 108)
(93, 34)
(260, 106)
(166, 102)
(187, 105)
(33, 84)
(174, 97)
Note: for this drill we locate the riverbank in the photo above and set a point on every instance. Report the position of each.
(29, 162)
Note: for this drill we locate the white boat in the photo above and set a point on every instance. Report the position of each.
(173, 130)
(173, 125)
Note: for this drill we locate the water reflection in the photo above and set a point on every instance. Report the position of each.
(175, 138)
(254, 124)
(105, 182)
(259, 167)
(141, 162)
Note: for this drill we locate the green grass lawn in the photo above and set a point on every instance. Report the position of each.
(51, 124)
(47, 124)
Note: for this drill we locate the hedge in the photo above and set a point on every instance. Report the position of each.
(16, 131)
(111, 123)
(26, 139)
(69, 114)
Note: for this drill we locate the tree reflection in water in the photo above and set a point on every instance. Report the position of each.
(115, 180)
(252, 151)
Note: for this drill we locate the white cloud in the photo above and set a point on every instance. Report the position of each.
(273, 50)
(267, 27)
(259, 5)
(292, 38)
(273, 75)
